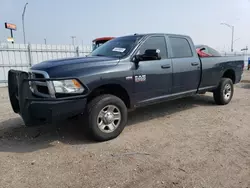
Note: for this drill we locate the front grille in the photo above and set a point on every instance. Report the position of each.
(41, 88)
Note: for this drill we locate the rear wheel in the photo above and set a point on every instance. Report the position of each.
(224, 93)
(106, 117)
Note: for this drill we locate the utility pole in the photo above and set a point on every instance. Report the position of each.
(24, 38)
(232, 40)
(73, 40)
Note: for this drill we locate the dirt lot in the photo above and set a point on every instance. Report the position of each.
(186, 143)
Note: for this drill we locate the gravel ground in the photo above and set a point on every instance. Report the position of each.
(246, 76)
(185, 143)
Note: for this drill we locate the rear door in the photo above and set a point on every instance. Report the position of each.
(153, 78)
(186, 65)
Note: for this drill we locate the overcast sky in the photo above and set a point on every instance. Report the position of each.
(57, 20)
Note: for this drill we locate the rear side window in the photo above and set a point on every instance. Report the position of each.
(180, 47)
(155, 42)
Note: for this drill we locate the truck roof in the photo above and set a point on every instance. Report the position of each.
(169, 34)
(139, 34)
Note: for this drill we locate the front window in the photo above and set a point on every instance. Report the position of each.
(118, 47)
(155, 42)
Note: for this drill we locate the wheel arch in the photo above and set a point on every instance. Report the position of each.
(230, 73)
(115, 89)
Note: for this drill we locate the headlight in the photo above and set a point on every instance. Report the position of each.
(68, 86)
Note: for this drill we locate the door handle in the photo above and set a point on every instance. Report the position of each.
(165, 66)
(195, 64)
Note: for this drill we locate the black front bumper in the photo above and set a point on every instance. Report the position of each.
(36, 110)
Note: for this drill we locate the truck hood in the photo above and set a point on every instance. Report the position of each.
(69, 66)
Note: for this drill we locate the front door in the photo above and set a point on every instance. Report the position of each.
(153, 78)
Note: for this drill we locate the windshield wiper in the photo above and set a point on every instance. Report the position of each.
(100, 55)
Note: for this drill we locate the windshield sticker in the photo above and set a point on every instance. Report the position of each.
(119, 49)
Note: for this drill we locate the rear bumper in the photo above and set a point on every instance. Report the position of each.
(36, 110)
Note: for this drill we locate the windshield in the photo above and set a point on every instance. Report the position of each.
(118, 47)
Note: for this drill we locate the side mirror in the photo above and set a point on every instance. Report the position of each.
(149, 54)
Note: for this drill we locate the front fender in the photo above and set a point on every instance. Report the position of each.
(102, 82)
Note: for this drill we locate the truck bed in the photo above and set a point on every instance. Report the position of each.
(213, 69)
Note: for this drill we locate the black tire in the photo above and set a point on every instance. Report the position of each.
(94, 108)
(219, 93)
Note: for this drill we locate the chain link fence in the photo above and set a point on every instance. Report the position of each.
(22, 57)
(235, 54)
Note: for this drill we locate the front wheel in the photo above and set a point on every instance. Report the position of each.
(224, 93)
(106, 117)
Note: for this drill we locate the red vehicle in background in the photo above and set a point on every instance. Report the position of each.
(100, 41)
(206, 51)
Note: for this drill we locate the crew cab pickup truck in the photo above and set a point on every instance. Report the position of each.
(124, 73)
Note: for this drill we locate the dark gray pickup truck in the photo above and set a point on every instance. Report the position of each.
(124, 73)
